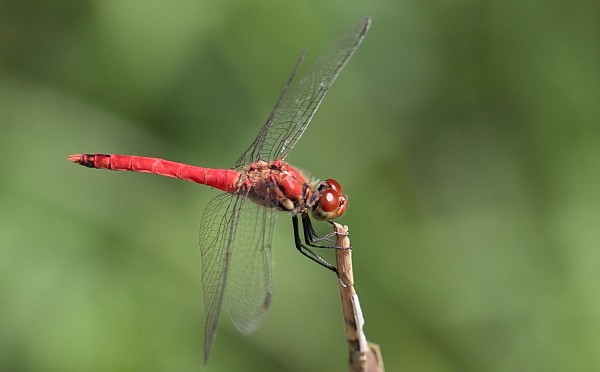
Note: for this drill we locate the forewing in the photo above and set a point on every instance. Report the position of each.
(297, 105)
(217, 233)
(249, 285)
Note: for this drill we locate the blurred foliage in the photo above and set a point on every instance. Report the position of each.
(466, 134)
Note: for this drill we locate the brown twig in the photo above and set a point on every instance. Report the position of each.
(363, 356)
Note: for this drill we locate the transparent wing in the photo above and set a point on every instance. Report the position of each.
(249, 285)
(235, 244)
(298, 104)
(217, 233)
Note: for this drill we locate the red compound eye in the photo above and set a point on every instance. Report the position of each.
(329, 201)
(334, 185)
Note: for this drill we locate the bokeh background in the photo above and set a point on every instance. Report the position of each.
(466, 134)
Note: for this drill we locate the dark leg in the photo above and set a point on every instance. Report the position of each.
(305, 250)
(311, 236)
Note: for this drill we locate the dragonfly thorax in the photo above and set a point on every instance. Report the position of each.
(276, 184)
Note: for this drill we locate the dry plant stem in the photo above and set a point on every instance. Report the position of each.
(363, 356)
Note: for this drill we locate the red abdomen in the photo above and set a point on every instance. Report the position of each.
(222, 179)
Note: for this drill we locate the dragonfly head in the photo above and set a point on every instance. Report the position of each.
(331, 202)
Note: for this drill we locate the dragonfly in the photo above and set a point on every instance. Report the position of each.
(236, 229)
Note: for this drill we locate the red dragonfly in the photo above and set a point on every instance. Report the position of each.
(236, 235)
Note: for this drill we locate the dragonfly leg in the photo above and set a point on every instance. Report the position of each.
(311, 237)
(307, 251)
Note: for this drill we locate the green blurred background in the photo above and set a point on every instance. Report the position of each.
(466, 134)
